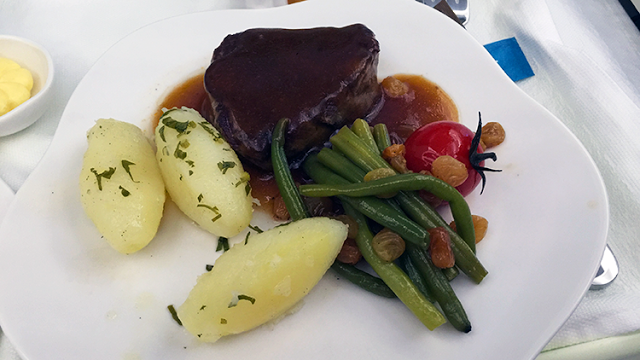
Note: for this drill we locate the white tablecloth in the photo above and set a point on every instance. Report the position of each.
(585, 55)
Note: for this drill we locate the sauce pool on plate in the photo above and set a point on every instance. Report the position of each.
(421, 102)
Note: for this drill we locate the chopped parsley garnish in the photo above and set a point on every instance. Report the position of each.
(223, 244)
(243, 178)
(226, 165)
(247, 189)
(223, 321)
(174, 314)
(179, 153)
(209, 267)
(124, 191)
(126, 164)
(212, 208)
(174, 124)
(202, 307)
(105, 174)
(255, 228)
(246, 238)
(208, 128)
(248, 298)
(190, 163)
(161, 132)
(237, 299)
(200, 197)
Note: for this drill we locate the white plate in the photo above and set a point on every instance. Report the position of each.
(67, 295)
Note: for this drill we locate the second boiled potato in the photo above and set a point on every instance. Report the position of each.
(203, 175)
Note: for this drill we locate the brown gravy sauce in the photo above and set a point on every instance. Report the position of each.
(425, 102)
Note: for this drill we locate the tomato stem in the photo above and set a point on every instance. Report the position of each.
(476, 158)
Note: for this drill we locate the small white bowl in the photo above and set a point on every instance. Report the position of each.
(37, 60)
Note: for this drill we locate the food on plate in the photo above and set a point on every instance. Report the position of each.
(121, 188)
(258, 281)
(202, 174)
(448, 145)
(16, 83)
(320, 78)
(257, 100)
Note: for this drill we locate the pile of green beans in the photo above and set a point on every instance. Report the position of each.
(340, 172)
(410, 203)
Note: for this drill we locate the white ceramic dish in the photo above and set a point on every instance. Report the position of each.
(67, 294)
(37, 60)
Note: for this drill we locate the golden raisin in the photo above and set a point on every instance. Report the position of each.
(394, 87)
(393, 151)
(449, 170)
(440, 248)
(480, 225)
(349, 253)
(351, 223)
(492, 134)
(380, 173)
(388, 245)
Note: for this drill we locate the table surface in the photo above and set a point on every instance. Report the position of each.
(572, 46)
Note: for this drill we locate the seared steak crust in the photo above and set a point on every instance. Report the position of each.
(320, 78)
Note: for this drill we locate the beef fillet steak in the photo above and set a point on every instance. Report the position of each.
(320, 78)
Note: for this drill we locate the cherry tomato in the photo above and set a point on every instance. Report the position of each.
(442, 138)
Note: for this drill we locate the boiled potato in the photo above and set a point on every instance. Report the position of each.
(121, 186)
(203, 175)
(258, 281)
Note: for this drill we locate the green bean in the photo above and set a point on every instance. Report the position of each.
(394, 277)
(381, 136)
(416, 277)
(362, 129)
(451, 273)
(356, 150)
(290, 195)
(363, 279)
(439, 286)
(376, 209)
(341, 165)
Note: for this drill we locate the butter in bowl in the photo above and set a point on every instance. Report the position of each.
(26, 76)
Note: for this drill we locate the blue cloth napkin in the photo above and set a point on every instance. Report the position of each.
(511, 59)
